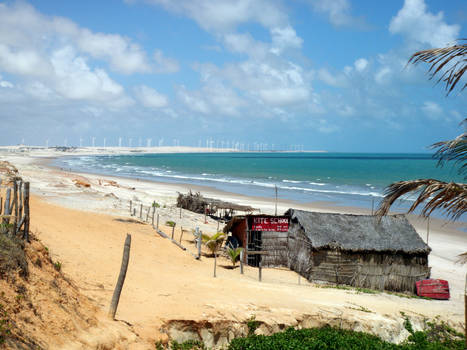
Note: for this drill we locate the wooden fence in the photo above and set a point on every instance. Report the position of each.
(14, 208)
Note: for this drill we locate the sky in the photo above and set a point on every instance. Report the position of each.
(298, 74)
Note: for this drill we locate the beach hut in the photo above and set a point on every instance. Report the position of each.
(357, 250)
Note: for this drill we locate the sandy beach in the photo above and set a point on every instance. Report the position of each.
(83, 219)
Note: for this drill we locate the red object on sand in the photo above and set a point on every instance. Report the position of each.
(433, 288)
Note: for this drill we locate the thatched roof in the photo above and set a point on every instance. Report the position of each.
(359, 232)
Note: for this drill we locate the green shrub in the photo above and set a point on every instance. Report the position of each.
(58, 265)
(187, 345)
(170, 223)
(435, 337)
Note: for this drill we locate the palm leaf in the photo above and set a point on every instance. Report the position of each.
(233, 254)
(214, 242)
(453, 150)
(450, 62)
(450, 197)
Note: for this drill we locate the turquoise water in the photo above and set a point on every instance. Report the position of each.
(344, 178)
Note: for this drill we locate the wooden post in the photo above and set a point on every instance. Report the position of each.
(215, 263)
(217, 225)
(134, 211)
(152, 220)
(372, 205)
(121, 277)
(173, 230)
(14, 205)
(157, 225)
(147, 214)
(205, 213)
(21, 200)
(259, 271)
(27, 217)
(141, 211)
(199, 234)
(1, 205)
(131, 205)
(6, 210)
(241, 261)
(181, 234)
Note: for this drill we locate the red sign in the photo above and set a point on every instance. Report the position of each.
(270, 224)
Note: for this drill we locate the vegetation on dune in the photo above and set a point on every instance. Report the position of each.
(435, 337)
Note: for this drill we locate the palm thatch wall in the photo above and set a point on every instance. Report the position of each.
(357, 250)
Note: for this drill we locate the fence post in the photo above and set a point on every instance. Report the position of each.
(157, 226)
(26, 211)
(147, 214)
(14, 205)
(131, 205)
(259, 271)
(241, 261)
(173, 230)
(121, 277)
(141, 211)
(6, 210)
(181, 234)
(199, 233)
(152, 220)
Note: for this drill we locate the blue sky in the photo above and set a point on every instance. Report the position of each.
(328, 75)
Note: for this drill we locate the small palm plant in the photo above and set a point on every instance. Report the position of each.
(234, 254)
(214, 243)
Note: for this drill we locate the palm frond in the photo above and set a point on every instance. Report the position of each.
(450, 62)
(452, 150)
(449, 197)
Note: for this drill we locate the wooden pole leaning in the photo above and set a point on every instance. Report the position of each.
(26, 211)
(121, 278)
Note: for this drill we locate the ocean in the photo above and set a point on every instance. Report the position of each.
(349, 179)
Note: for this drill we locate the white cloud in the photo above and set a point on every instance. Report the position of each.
(361, 64)
(284, 38)
(432, 110)
(420, 26)
(123, 55)
(22, 61)
(5, 83)
(338, 12)
(383, 75)
(150, 98)
(335, 80)
(165, 64)
(75, 80)
(225, 15)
